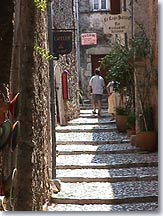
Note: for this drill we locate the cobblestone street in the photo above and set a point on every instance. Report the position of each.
(100, 170)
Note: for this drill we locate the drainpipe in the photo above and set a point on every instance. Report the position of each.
(52, 92)
(78, 39)
(132, 18)
(126, 37)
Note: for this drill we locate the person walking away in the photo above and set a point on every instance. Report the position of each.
(113, 99)
(96, 87)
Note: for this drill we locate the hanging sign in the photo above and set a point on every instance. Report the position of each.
(117, 24)
(62, 42)
(88, 39)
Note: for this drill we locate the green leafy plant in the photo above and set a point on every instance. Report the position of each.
(145, 79)
(121, 111)
(43, 53)
(40, 4)
(140, 44)
(120, 68)
(80, 95)
(130, 121)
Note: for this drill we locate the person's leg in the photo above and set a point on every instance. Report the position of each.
(111, 106)
(99, 104)
(113, 117)
(94, 104)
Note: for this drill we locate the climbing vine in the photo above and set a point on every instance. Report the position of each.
(43, 53)
(40, 4)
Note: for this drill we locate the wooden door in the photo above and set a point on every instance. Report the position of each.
(95, 61)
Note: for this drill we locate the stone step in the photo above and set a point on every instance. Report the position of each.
(97, 148)
(89, 111)
(107, 193)
(97, 152)
(94, 116)
(135, 172)
(101, 142)
(90, 121)
(106, 159)
(86, 129)
(104, 98)
(111, 179)
(149, 206)
(91, 136)
(89, 106)
(114, 166)
(93, 126)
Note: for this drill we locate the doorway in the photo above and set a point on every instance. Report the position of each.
(95, 62)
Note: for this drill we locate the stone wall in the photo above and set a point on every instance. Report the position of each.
(146, 14)
(64, 19)
(91, 21)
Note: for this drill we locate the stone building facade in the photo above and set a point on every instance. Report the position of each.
(91, 16)
(90, 21)
(64, 20)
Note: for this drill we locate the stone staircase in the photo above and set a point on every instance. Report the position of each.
(100, 170)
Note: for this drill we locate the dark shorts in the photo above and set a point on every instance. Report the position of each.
(97, 97)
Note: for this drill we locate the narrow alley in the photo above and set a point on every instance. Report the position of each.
(100, 170)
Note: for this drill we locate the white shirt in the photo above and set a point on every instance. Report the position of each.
(97, 84)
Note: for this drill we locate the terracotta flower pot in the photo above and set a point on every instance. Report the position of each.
(121, 122)
(130, 132)
(147, 140)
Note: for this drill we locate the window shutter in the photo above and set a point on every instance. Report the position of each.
(115, 6)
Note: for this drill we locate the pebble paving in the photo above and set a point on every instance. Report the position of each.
(96, 173)
(105, 208)
(110, 159)
(100, 157)
(104, 147)
(106, 190)
(88, 136)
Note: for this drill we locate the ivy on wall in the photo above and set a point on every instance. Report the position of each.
(43, 52)
(40, 4)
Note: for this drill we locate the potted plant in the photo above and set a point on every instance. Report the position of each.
(145, 79)
(130, 123)
(121, 70)
(121, 117)
(80, 95)
(146, 138)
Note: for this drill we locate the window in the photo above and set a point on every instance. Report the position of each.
(101, 5)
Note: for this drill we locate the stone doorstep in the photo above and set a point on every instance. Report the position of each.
(142, 199)
(107, 179)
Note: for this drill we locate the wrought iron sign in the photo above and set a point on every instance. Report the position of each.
(62, 42)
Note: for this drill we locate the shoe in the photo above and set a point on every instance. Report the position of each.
(98, 114)
(94, 112)
(112, 119)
